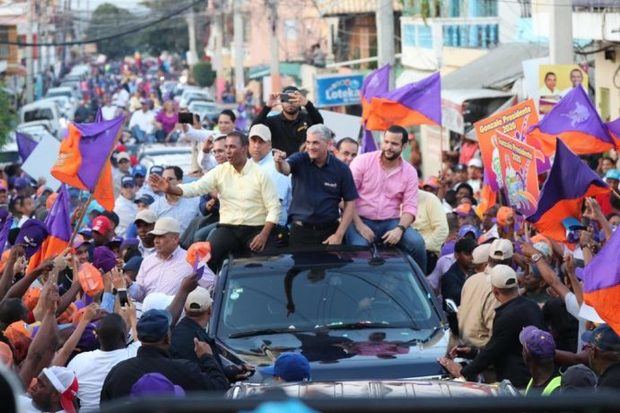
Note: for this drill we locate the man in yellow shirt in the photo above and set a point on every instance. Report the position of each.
(432, 223)
(249, 204)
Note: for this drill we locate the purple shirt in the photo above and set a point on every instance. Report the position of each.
(383, 193)
(168, 122)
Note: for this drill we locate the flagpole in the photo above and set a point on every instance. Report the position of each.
(91, 196)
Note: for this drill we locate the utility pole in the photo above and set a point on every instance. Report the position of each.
(273, 44)
(385, 35)
(239, 54)
(218, 34)
(192, 57)
(560, 31)
(29, 54)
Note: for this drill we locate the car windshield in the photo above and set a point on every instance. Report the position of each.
(38, 114)
(352, 296)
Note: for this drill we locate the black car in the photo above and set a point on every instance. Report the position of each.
(356, 314)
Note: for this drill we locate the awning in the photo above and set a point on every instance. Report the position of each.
(498, 69)
(341, 7)
(286, 69)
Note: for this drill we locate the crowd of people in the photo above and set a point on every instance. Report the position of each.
(123, 312)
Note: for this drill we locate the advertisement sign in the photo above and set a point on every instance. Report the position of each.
(555, 81)
(510, 123)
(42, 159)
(343, 125)
(338, 90)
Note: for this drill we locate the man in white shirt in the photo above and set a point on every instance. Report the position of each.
(92, 367)
(474, 172)
(125, 207)
(108, 112)
(260, 152)
(142, 123)
(121, 98)
(180, 208)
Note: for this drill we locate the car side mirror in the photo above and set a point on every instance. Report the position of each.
(451, 305)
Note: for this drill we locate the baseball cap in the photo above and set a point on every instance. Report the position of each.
(146, 215)
(78, 241)
(122, 155)
(466, 229)
(431, 181)
(503, 277)
(260, 130)
(537, 342)
(146, 199)
(290, 89)
(139, 170)
(198, 301)
(31, 236)
(464, 210)
(155, 384)
(501, 249)
(133, 264)
(21, 183)
(578, 377)
(104, 258)
(156, 301)
(603, 337)
(166, 225)
(481, 254)
(127, 181)
(129, 242)
(102, 225)
(153, 325)
(157, 170)
(459, 167)
(613, 174)
(289, 367)
(475, 162)
(65, 382)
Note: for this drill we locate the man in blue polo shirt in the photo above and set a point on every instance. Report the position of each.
(320, 183)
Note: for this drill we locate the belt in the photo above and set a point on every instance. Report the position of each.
(316, 227)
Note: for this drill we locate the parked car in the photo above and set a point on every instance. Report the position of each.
(66, 91)
(375, 389)
(66, 105)
(355, 314)
(194, 94)
(165, 155)
(43, 112)
(204, 109)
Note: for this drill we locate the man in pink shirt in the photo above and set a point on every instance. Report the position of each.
(388, 198)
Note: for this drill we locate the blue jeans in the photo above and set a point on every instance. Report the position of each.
(411, 242)
(141, 136)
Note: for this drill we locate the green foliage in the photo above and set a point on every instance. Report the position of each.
(203, 74)
(170, 35)
(108, 19)
(8, 117)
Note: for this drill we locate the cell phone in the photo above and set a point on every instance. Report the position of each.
(186, 117)
(122, 298)
(284, 97)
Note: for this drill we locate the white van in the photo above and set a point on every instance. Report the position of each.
(44, 112)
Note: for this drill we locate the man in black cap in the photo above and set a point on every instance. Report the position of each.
(154, 357)
(604, 356)
(288, 129)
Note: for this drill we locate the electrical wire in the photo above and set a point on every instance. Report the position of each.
(108, 37)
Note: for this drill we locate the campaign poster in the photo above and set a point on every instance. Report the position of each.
(513, 123)
(555, 81)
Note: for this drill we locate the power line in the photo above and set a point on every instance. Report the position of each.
(108, 37)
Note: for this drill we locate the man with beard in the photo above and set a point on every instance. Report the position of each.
(288, 129)
(388, 202)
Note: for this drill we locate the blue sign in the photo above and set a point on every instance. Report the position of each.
(338, 90)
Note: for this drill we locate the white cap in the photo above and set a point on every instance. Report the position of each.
(156, 301)
(503, 277)
(501, 249)
(166, 225)
(260, 130)
(198, 301)
(122, 155)
(147, 216)
(481, 254)
(475, 162)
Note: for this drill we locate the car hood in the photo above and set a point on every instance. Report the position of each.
(348, 354)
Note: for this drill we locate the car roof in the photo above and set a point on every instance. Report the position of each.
(60, 89)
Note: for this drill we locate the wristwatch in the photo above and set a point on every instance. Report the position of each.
(536, 257)
(402, 228)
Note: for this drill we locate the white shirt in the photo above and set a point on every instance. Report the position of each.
(144, 250)
(126, 210)
(475, 184)
(144, 120)
(198, 135)
(91, 369)
(157, 275)
(282, 184)
(184, 210)
(206, 161)
(121, 98)
(108, 112)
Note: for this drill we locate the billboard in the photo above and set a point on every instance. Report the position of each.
(555, 81)
(338, 90)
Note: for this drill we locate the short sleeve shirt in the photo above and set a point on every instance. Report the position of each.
(317, 191)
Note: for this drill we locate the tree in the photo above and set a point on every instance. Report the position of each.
(170, 35)
(203, 74)
(7, 116)
(108, 19)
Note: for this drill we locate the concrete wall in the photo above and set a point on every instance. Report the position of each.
(607, 93)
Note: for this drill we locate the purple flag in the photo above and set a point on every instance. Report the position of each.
(368, 142)
(25, 145)
(604, 269)
(4, 232)
(614, 129)
(423, 96)
(58, 221)
(98, 115)
(96, 141)
(376, 82)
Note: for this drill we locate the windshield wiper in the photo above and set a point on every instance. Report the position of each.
(264, 331)
(361, 325)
